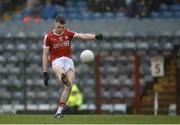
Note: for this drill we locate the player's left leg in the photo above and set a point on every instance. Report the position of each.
(58, 71)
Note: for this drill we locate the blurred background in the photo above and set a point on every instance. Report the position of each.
(137, 65)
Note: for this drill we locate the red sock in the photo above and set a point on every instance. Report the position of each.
(62, 104)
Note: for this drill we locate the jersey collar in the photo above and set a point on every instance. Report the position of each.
(57, 34)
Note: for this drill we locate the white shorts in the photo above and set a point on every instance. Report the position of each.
(64, 62)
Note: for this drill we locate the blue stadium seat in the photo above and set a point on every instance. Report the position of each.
(71, 10)
(129, 95)
(130, 47)
(82, 9)
(14, 81)
(106, 107)
(105, 94)
(18, 95)
(175, 7)
(117, 94)
(49, 12)
(155, 47)
(15, 70)
(112, 69)
(167, 48)
(74, 16)
(177, 14)
(166, 14)
(29, 81)
(60, 9)
(109, 15)
(2, 59)
(128, 82)
(54, 82)
(120, 15)
(117, 46)
(21, 47)
(53, 94)
(164, 7)
(142, 47)
(92, 45)
(5, 94)
(70, 3)
(4, 82)
(9, 47)
(1, 48)
(155, 15)
(42, 95)
(82, 4)
(97, 15)
(115, 81)
(120, 108)
(105, 46)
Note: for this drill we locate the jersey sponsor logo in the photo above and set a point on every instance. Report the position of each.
(59, 45)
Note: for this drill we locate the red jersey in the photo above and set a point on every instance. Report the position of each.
(59, 44)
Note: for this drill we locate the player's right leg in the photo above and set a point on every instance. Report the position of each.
(65, 79)
(66, 92)
(67, 89)
(59, 68)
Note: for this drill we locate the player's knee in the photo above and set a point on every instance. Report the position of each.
(58, 71)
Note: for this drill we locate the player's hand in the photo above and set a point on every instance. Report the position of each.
(99, 36)
(46, 78)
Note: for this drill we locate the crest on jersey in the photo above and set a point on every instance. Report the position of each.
(66, 37)
(60, 38)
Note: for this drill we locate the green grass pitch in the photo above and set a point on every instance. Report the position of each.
(89, 119)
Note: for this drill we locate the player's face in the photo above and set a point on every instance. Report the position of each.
(59, 27)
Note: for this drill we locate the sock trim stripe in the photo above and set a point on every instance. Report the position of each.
(62, 104)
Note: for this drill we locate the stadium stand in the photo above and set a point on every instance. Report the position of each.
(88, 10)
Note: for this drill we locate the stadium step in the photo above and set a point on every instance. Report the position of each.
(166, 88)
(150, 111)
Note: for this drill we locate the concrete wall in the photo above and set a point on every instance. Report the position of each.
(118, 27)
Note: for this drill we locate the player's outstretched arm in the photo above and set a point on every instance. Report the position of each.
(86, 36)
(45, 65)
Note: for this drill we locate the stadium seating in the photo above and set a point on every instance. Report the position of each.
(116, 79)
(82, 10)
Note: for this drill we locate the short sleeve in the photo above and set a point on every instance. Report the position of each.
(46, 43)
(70, 34)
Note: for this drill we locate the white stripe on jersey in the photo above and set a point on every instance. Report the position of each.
(44, 42)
